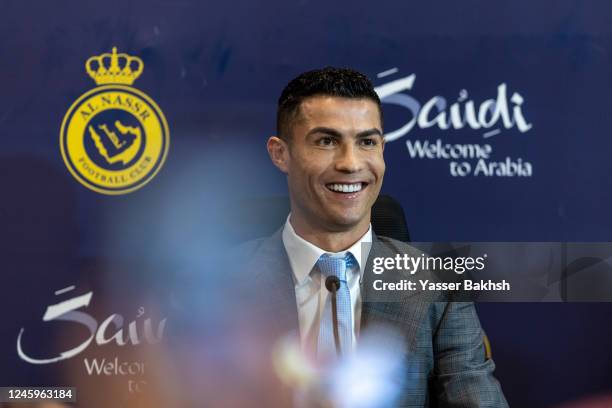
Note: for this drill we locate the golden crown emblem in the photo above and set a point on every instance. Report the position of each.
(114, 68)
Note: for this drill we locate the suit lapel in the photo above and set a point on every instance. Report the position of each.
(273, 278)
(403, 311)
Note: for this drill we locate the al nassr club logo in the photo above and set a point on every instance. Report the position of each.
(114, 138)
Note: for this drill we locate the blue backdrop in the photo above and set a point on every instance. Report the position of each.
(526, 84)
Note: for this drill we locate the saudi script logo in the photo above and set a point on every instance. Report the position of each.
(489, 117)
(101, 334)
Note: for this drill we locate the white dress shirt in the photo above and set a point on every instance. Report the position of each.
(310, 291)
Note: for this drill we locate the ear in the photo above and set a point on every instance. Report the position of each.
(279, 153)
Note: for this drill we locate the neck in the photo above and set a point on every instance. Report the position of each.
(329, 240)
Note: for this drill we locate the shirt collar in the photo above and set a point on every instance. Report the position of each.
(303, 255)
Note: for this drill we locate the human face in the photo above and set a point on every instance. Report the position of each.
(334, 163)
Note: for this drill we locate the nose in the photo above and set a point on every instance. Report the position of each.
(348, 159)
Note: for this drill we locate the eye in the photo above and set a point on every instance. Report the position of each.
(369, 142)
(326, 141)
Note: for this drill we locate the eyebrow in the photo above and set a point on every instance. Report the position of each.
(335, 133)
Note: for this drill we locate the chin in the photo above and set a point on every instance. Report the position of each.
(344, 222)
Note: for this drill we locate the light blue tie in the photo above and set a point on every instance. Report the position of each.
(326, 345)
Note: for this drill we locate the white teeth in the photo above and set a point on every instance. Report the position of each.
(345, 188)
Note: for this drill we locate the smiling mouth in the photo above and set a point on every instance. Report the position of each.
(345, 188)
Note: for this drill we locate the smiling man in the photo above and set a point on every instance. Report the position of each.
(330, 145)
(331, 149)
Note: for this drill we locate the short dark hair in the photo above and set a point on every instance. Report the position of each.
(328, 81)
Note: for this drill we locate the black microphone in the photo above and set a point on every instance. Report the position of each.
(332, 283)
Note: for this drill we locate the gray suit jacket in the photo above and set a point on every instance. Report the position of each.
(445, 352)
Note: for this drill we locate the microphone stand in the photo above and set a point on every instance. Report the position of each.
(332, 283)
